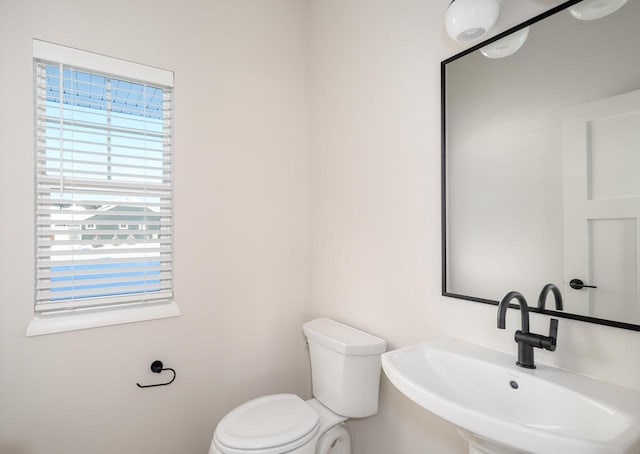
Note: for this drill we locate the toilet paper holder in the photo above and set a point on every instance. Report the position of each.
(158, 367)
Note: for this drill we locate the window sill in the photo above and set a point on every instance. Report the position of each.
(58, 323)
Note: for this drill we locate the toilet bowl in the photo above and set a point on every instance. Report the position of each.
(345, 377)
(280, 423)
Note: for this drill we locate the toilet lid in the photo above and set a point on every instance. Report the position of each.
(268, 422)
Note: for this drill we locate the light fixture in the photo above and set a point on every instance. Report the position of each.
(467, 20)
(595, 9)
(506, 46)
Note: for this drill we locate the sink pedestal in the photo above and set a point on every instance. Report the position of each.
(481, 445)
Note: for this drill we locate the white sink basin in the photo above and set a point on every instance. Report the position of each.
(503, 408)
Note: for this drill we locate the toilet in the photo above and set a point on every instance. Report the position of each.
(345, 379)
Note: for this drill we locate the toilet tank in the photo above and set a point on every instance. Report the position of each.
(345, 367)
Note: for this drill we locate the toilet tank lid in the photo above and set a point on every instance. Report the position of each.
(342, 338)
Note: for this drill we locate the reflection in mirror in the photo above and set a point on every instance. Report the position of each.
(542, 177)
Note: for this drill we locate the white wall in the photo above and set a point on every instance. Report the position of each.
(242, 230)
(375, 202)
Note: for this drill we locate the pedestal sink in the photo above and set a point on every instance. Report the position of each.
(500, 408)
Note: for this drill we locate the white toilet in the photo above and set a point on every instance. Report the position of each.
(345, 377)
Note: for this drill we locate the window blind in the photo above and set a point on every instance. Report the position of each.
(104, 213)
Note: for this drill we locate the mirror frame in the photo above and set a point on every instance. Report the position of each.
(443, 170)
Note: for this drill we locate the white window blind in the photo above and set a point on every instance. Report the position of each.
(103, 189)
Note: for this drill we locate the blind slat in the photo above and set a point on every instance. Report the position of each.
(115, 223)
(92, 271)
(58, 264)
(116, 242)
(96, 110)
(45, 234)
(101, 144)
(148, 276)
(99, 129)
(141, 252)
(115, 289)
(108, 187)
(45, 202)
(146, 156)
(80, 162)
(65, 213)
(45, 307)
(77, 172)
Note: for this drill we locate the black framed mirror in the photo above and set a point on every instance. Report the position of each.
(541, 163)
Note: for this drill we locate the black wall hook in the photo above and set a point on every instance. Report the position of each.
(158, 367)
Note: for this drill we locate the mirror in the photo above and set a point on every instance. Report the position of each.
(541, 164)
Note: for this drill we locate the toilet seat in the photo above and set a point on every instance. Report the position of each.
(267, 425)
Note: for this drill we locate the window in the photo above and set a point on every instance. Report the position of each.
(104, 154)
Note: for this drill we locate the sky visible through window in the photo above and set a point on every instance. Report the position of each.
(105, 239)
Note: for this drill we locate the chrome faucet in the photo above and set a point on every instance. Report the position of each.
(526, 340)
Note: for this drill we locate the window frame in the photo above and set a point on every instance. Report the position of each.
(108, 314)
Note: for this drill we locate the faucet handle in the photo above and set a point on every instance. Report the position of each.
(549, 342)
